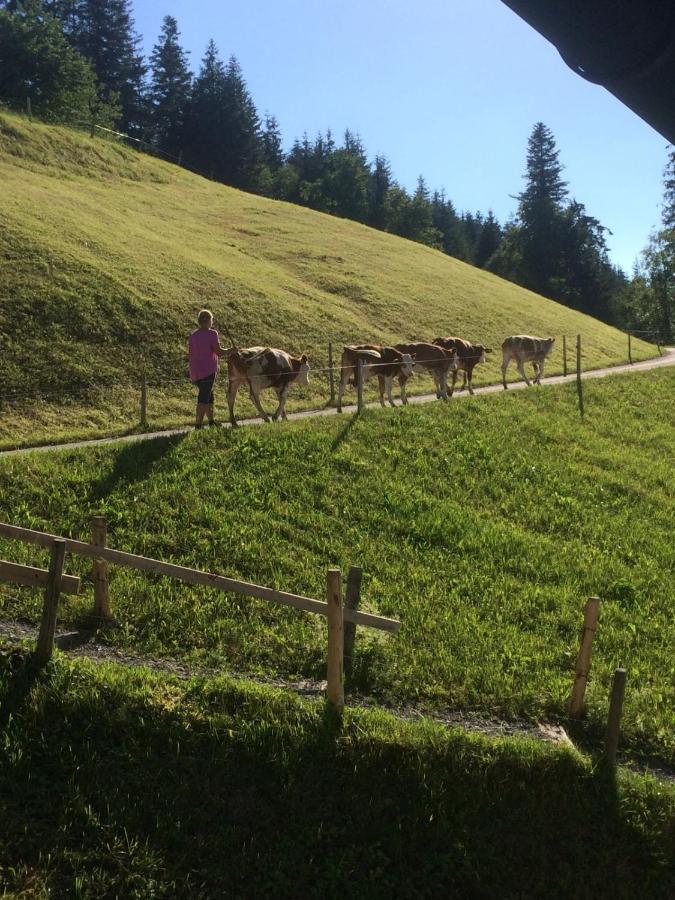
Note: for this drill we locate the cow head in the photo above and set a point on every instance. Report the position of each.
(451, 354)
(550, 341)
(303, 371)
(407, 364)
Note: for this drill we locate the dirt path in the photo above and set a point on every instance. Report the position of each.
(668, 359)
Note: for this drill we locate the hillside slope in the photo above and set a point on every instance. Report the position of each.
(108, 254)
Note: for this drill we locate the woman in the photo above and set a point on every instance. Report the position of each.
(204, 351)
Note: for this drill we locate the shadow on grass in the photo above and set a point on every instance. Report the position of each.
(134, 462)
(222, 792)
(343, 433)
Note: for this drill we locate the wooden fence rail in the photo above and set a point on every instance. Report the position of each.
(333, 608)
(195, 576)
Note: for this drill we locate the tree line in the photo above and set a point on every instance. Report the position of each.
(80, 60)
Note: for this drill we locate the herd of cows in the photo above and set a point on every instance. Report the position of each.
(259, 368)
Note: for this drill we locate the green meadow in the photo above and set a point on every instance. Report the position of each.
(107, 255)
(483, 525)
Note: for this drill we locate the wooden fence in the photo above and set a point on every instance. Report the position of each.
(332, 608)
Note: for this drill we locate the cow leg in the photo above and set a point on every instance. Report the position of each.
(389, 381)
(281, 408)
(506, 359)
(255, 397)
(441, 379)
(454, 381)
(232, 388)
(521, 368)
(540, 372)
(468, 378)
(402, 380)
(381, 383)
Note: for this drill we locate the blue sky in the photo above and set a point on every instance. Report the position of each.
(449, 89)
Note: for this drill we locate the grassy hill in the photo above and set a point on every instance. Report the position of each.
(107, 255)
(483, 526)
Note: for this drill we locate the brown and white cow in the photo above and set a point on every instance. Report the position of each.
(468, 356)
(436, 361)
(386, 363)
(525, 348)
(260, 368)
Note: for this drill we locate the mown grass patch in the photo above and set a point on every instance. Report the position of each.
(107, 255)
(116, 782)
(483, 525)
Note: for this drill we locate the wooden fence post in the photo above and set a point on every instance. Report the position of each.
(29, 111)
(352, 600)
(331, 379)
(630, 355)
(45, 641)
(591, 613)
(580, 389)
(359, 386)
(99, 569)
(564, 356)
(336, 688)
(144, 399)
(614, 717)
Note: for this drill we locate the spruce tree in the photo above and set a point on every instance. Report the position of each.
(103, 32)
(169, 89)
(203, 133)
(37, 62)
(540, 214)
(379, 183)
(488, 241)
(240, 156)
(272, 148)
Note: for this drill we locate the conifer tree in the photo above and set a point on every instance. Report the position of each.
(39, 63)
(272, 148)
(203, 132)
(445, 219)
(379, 183)
(488, 241)
(103, 32)
(169, 90)
(240, 155)
(540, 214)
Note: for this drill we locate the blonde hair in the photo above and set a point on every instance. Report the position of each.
(204, 314)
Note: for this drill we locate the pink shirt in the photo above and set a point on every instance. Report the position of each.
(202, 349)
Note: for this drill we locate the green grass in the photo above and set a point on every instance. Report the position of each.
(119, 783)
(107, 255)
(483, 525)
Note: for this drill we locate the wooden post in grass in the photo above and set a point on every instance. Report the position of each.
(336, 688)
(331, 379)
(359, 386)
(630, 355)
(45, 641)
(144, 397)
(614, 717)
(99, 569)
(352, 599)
(591, 613)
(580, 389)
(564, 356)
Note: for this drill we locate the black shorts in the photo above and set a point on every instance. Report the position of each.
(205, 388)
